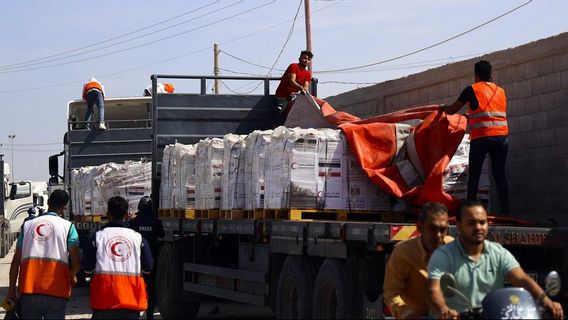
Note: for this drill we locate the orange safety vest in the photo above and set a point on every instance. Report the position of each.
(44, 268)
(92, 85)
(490, 117)
(117, 282)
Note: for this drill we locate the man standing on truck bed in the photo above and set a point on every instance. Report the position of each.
(42, 257)
(478, 265)
(296, 79)
(94, 93)
(117, 255)
(488, 131)
(406, 276)
(161, 88)
(151, 229)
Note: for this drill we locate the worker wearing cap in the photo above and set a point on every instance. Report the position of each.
(43, 250)
(160, 88)
(94, 93)
(151, 229)
(488, 131)
(117, 256)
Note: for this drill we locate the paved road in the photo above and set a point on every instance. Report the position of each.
(78, 307)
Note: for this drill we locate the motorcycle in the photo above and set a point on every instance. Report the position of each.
(506, 303)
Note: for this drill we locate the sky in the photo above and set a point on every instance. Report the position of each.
(50, 48)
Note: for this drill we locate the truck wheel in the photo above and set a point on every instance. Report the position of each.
(295, 289)
(168, 287)
(332, 292)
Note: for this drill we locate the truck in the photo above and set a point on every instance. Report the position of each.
(316, 266)
(17, 198)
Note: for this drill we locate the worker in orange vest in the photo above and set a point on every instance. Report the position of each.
(488, 131)
(43, 250)
(117, 256)
(161, 88)
(94, 93)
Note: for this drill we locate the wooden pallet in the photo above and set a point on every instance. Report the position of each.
(207, 213)
(185, 213)
(336, 215)
(232, 214)
(253, 214)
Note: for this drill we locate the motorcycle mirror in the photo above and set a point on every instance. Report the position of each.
(447, 281)
(552, 284)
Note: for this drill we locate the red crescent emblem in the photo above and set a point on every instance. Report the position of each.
(38, 229)
(113, 249)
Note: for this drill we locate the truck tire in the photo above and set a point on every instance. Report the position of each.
(332, 292)
(295, 289)
(169, 292)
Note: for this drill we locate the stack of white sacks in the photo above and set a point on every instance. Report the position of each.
(93, 186)
(455, 175)
(273, 169)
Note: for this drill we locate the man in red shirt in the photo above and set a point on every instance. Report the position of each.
(295, 80)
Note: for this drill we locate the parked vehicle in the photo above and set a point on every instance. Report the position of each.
(302, 269)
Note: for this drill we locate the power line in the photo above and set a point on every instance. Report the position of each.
(35, 144)
(345, 82)
(430, 46)
(27, 63)
(166, 60)
(144, 43)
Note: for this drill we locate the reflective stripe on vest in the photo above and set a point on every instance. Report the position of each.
(44, 268)
(490, 118)
(117, 282)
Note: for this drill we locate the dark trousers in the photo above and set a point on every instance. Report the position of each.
(497, 148)
(150, 280)
(95, 97)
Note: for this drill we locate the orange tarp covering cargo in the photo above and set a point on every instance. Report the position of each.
(404, 152)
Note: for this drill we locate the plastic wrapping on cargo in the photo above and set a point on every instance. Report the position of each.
(255, 152)
(166, 185)
(277, 168)
(185, 189)
(208, 171)
(93, 186)
(233, 177)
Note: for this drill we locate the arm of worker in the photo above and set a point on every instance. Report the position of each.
(467, 95)
(307, 86)
(437, 266)
(518, 278)
(14, 270)
(295, 84)
(396, 277)
(90, 255)
(147, 262)
(73, 245)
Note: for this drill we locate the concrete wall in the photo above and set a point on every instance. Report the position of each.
(535, 78)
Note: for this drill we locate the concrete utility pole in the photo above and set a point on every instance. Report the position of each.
(216, 67)
(308, 30)
(12, 171)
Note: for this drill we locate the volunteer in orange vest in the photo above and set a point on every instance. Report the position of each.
(94, 93)
(117, 256)
(43, 250)
(160, 88)
(488, 131)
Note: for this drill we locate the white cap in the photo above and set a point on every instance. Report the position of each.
(93, 79)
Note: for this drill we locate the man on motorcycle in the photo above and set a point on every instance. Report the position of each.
(479, 266)
(406, 276)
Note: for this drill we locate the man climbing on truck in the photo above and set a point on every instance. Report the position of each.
(296, 79)
(488, 131)
(94, 93)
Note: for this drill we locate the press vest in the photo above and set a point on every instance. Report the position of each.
(92, 85)
(45, 259)
(490, 118)
(117, 282)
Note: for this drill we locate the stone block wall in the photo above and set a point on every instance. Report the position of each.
(535, 79)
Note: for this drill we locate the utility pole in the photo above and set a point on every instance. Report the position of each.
(308, 30)
(216, 67)
(12, 171)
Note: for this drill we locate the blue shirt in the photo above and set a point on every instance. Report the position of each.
(90, 256)
(72, 237)
(474, 279)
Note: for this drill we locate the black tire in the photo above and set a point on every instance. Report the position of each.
(332, 292)
(295, 289)
(168, 287)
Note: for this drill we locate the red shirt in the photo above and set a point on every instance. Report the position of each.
(285, 90)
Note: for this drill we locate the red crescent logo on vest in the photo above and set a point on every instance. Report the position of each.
(118, 248)
(42, 230)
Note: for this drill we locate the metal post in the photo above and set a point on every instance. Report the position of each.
(12, 136)
(216, 67)
(308, 30)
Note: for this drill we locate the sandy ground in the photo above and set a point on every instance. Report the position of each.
(79, 308)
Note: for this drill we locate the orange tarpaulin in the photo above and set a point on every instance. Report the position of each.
(374, 143)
